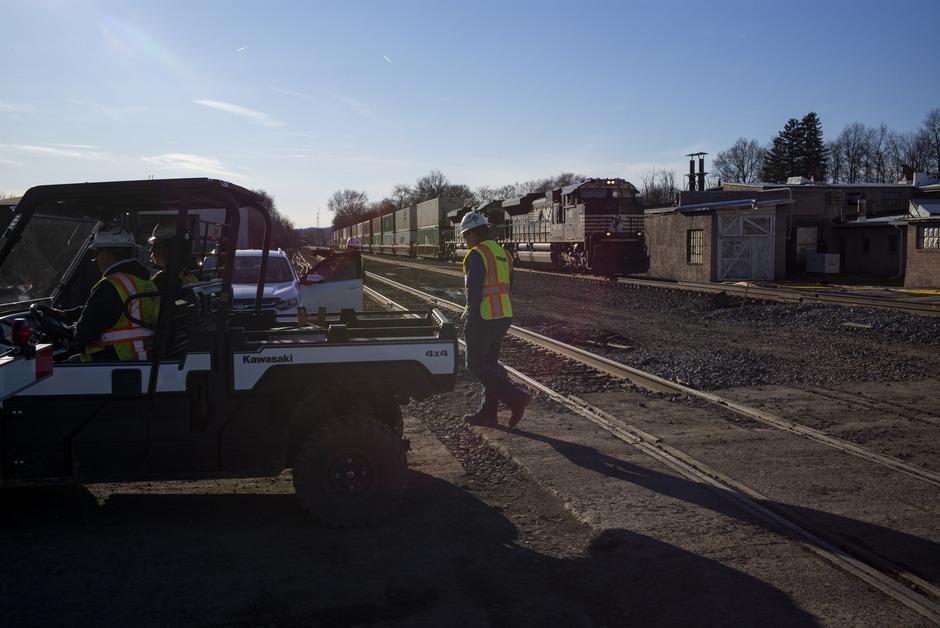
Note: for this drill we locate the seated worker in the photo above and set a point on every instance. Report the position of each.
(103, 328)
(161, 248)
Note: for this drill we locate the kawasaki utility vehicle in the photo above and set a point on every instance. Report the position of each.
(226, 392)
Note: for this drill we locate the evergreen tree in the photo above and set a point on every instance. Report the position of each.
(797, 151)
(814, 153)
(783, 154)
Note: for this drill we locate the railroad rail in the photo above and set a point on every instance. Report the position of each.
(889, 578)
(655, 383)
(760, 293)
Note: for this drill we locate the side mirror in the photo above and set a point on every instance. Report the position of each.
(309, 280)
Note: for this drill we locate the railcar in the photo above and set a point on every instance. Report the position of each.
(387, 245)
(432, 225)
(405, 231)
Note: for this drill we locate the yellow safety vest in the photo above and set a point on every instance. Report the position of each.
(498, 263)
(131, 341)
(184, 276)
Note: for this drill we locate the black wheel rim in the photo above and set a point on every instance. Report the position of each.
(350, 474)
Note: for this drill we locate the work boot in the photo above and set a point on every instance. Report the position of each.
(518, 408)
(481, 417)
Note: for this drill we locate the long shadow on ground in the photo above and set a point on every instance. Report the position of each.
(447, 559)
(919, 555)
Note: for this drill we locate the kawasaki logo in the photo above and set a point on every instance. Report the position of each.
(268, 359)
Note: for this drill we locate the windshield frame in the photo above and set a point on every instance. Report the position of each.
(122, 200)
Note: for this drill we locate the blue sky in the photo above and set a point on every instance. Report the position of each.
(303, 98)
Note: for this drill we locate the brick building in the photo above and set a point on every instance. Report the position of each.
(923, 241)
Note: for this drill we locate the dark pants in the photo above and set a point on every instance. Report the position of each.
(484, 338)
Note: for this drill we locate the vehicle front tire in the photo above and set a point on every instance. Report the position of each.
(350, 472)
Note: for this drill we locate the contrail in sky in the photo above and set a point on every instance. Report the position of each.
(242, 49)
(387, 59)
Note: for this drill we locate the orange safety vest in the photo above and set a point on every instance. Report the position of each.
(131, 341)
(498, 264)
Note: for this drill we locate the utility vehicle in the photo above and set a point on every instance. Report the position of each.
(226, 392)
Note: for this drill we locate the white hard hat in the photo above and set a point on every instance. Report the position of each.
(113, 237)
(163, 231)
(353, 243)
(472, 220)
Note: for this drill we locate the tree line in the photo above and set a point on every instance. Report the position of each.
(858, 154)
(353, 206)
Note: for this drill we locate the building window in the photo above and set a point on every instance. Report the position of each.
(866, 244)
(928, 237)
(694, 240)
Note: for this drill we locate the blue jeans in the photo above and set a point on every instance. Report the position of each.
(484, 338)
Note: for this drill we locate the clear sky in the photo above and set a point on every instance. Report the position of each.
(303, 98)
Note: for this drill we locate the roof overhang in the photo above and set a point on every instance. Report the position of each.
(924, 209)
(740, 203)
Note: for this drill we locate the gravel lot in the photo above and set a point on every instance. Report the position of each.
(711, 343)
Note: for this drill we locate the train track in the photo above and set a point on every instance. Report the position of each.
(758, 293)
(655, 383)
(889, 578)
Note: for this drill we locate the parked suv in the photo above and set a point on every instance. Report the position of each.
(281, 285)
(335, 283)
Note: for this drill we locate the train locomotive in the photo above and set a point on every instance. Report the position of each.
(592, 225)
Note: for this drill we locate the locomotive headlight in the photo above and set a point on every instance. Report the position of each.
(608, 234)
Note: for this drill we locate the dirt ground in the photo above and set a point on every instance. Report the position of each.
(463, 550)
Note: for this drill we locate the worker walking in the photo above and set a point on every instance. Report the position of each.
(487, 270)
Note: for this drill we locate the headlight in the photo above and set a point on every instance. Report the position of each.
(286, 305)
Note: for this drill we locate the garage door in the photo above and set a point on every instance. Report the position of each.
(745, 246)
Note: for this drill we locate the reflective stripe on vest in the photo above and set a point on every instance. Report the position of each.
(131, 341)
(498, 266)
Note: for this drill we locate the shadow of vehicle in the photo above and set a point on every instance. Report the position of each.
(185, 557)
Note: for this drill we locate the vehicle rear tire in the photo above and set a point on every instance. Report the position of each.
(393, 420)
(350, 472)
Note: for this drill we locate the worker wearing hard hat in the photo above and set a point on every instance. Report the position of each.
(161, 249)
(116, 324)
(353, 243)
(487, 269)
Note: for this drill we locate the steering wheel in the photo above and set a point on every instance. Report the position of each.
(49, 322)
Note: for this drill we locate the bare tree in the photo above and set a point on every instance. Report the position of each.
(484, 194)
(506, 191)
(348, 207)
(431, 185)
(851, 149)
(930, 137)
(741, 163)
(879, 169)
(385, 206)
(658, 187)
(402, 192)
